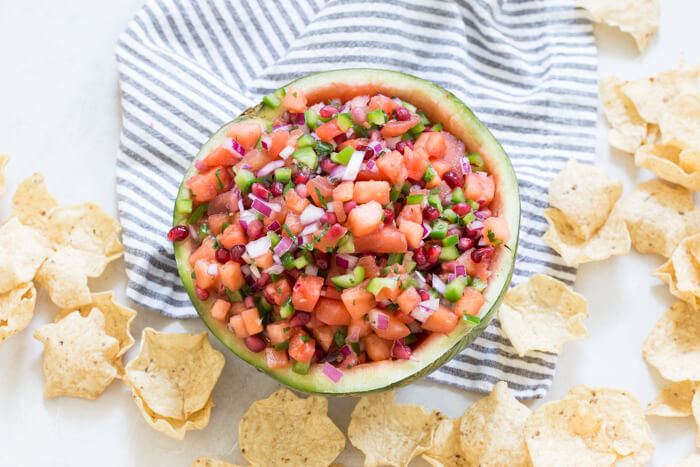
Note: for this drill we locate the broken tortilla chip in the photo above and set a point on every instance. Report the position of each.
(446, 447)
(209, 462)
(16, 309)
(542, 314)
(267, 437)
(492, 430)
(691, 460)
(85, 227)
(389, 433)
(22, 250)
(584, 195)
(682, 271)
(679, 122)
(78, 356)
(3, 181)
(659, 216)
(32, 202)
(638, 18)
(675, 400)
(612, 239)
(696, 414)
(670, 163)
(628, 130)
(172, 427)
(673, 345)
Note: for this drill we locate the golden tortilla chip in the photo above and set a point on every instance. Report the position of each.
(389, 433)
(668, 162)
(446, 446)
(541, 314)
(492, 430)
(682, 271)
(691, 460)
(638, 18)
(16, 309)
(679, 122)
(696, 415)
(584, 195)
(675, 400)
(673, 346)
(209, 462)
(65, 275)
(628, 129)
(172, 427)
(78, 356)
(3, 182)
(22, 250)
(284, 430)
(659, 216)
(32, 202)
(611, 240)
(174, 373)
(86, 227)
(653, 134)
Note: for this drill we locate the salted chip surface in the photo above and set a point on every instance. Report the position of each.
(541, 314)
(679, 122)
(78, 356)
(32, 202)
(389, 433)
(285, 430)
(22, 250)
(446, 446)
(585, 195)
(209, 462)
(16, 309)
(492, 430)
(173, 427)
(673, 345)
(659, 216)
(174, 373)
(3, 182)
(650, 95)
(65, 275)
(86, 227)
(610, 240)
(671, 163)
(675, 400)
(682, 271)
(628, 129)
(638, 18)
(696, 415)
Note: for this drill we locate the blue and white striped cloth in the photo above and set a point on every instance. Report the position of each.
(528, 69)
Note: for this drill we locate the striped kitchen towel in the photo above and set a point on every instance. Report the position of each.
(527, 68)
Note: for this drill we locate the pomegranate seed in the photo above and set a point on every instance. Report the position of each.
(430, 213)
(237, 253)
(361, 147)
(299, 318)
(255, 343)
(300, 178)
(329, 218)
(349, 206)
(388, 215)
(322, 260)
(261, 191)
(473, 234)
(465, 243)
(293, 274)
(424, 295)
(341, 138)
(462, 209)
(433, 253)
(420, 257)
(402, 114)
(327, 111)
(178, 233)
(249, 302)
(222, 255)
(369, 153)
(328, 165)
(264, 279)
(201, 293)
(277, 189)
(255, 229)
(452, 179)
(481, 253)
(402, 145)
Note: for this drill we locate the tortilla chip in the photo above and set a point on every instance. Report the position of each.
(32, 202)
(653, 134)
(628, 129)
(172, 427)
(209, 462)
(285, 430)
(174, 373)
(492, 430)
(65, 275)
(446, 447)
(389, 433)
(78, 356)
(668, 162)
(16, 309)
(3, 182)
(22, 250)
(585, 195)
(638, 18)
(541, 314)
(691, 460)
(611, 240)
(682, 271)
(696, 414)
(675, 400)
(86, 227)
(679, 122)
(673, 346)
(659, 216)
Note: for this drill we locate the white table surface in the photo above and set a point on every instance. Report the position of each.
(60, 114)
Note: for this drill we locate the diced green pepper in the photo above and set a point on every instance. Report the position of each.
(343, 157)
(339, 337)
(306, 156)
(311, 119)
(476, 161)
(474, 205)
(183, 205)
(455, 289)
(436, 127)
(282, 345)
(473, 320)
(360, 131)
(451, 240)
(410, 339)
(429, 174)
(286, 310)
(458, 196)
(378, 283)
(408, 136)
(448, 253)
(376, 117)
(344, 121)
(350, 280)
(394, 194)
(439, 229)
(409, 106)
(395, 258)
(244, 180)
(415, 199)
(469, 218)
(198, 213)
(272, 100)
(301, 368)
(418, 129)
(323, 148)
(283, 174)
(287, 260)
(274, 238)
(450, 215)
(300, 262)
(235, 296)
(204, 230)
(305, 140)
(479, 284)
(346, 244)
(435, 201)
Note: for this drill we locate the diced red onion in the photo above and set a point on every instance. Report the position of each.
(311, 214)
(450, 277)
(265, 142)
(415, 327)
(346, 261)
(311, 270)
(483, 242)
(353, 167)
(439, 285)
(270, 167)
(233, 146)
(273, 206)
(276, 269)
(283, 246)
(245, 269)
(354, 335)
(426, 230)
(475, 225)
(332, 372)
(400, 350)
(338, 172)
(431, 304)
(420, 313)
(285, 127)
(346, 350)
(286, 152)
(382, 321)
(398, 101)
(274, 227)
(254, 271)
(392, 142)
(261, 207)
(376, 146)
(258, 247)
(276, 259)
(371, 165)
(466, 165)
(460, 271)
(300, 119)
(213, 269)
(419, 277)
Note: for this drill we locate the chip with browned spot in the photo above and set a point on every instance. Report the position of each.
(32, 202)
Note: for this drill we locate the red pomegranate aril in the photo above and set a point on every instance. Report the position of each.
(329, 218)
(222, 255)
(255, 343)
(260, 190)
(236, 253)
(454, 231)
(433, 253)
(420, 257)
(201, 293)
(481, 253)
(369, 153)
(328, 165)
(300, 178)
(473, 233)
(255, 229)
(264, 279)
(388, 215)
(318, 355)
(327, 111)
(277, 189)
(430, 213)
(462, 209)
(465, 243)
(349, 206)
(178, 233)
(402, 114)
(340, 138)
(299, 318)
(452, 179)
(424, 295)
(322, 260)
(402, 145)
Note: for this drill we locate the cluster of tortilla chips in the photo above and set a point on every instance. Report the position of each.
(638, 18)
(585, 224)
(172, 378)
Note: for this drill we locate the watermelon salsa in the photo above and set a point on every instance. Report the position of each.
(341, 233)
